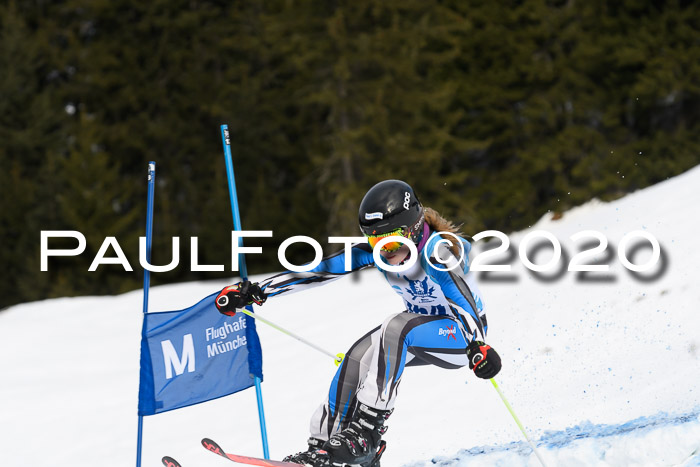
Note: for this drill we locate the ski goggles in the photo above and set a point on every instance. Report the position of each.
(390, 246)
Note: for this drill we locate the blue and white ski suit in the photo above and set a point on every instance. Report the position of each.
(444, 312)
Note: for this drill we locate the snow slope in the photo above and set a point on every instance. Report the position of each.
(601, 372)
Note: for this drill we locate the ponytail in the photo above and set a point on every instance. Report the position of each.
(438, 223)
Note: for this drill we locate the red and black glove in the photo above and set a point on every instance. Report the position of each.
(238, 296)
(483, 360)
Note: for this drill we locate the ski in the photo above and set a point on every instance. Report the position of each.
(170, 462)
(210, 445)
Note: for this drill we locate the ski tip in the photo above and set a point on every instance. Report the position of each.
(211, 445)
(170, 462)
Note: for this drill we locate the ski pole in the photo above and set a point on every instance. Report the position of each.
(337, 358)
(517, 421)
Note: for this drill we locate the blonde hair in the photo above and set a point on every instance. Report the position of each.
(440, 224)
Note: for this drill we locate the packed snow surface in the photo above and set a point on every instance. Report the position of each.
(602, 368)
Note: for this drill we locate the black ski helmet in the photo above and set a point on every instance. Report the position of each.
(392, 205)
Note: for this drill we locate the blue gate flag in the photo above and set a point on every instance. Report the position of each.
(195, 355)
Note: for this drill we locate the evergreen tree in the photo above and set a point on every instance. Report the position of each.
(31, 115)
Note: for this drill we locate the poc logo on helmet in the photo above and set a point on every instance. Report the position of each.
(406, 200)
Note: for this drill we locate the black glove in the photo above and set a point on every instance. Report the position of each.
(238, 296)
(483, 360)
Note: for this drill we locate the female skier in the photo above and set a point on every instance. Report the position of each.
(441, 325)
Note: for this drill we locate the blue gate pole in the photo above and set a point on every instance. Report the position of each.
(146, 278)
(242, 266)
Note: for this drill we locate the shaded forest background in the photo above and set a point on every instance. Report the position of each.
(496, 113)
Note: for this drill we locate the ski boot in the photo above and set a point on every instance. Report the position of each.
(378, 455)
(361, 442)
(314, 456)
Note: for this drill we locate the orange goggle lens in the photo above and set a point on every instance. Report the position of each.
(390, 246)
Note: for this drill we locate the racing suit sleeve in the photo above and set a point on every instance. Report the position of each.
(451, 273)
(331, 268)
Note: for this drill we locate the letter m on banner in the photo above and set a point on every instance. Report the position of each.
(195, 355)
(170, 358)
